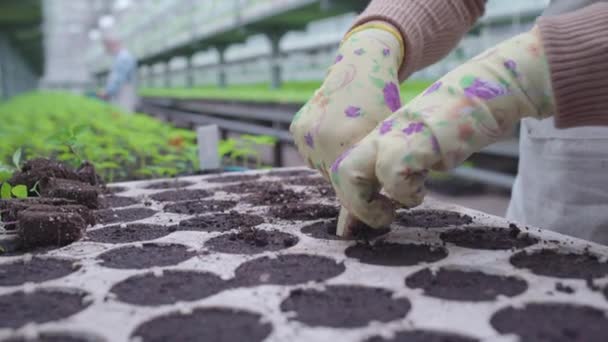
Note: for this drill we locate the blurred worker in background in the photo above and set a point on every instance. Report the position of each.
(357, 133)
(120, 88)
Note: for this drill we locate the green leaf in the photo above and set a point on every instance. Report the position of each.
(378, 82)
(20, 191)
(5, 191)
(17, 159)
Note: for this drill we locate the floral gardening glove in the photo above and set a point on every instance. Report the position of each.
(468, 109)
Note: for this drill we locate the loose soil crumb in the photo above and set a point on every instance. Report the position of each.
(326, 230)
(275, 194)
(221, 222)
(128, 233)
(303, 212)
(342, 306)
(206, 324)
(36, 270)
(172, 184)
(116, 201)
(473, 286)
(551, 263)
(431, 218)
(181, 195)
(40, 306)
(554, 322)
(148, 255)
(490, 238)
(395, 254)
(171, 287)
(288, 269)
(423, 336)
(295, 173)
(563, 288)
(199, 206)
(251, 241)
(107, 216)
(40, 228)
(232, 178)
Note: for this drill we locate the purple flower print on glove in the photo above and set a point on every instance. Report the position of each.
(359, 51)
(309, 140)
(484, 90)
(336, 165)
(414, 127)
(391, 96)
(386, 126)
(433, 88)
(352, 112)
(511, 65)
(435, 144)
(386, 52)
(338, 59)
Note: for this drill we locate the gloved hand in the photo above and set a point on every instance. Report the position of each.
(468, 109)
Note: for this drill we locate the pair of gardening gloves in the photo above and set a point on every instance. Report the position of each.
(377, 153)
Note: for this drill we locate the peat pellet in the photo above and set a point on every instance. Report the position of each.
(171, 184)
(423, 336)
(303, 212)
(80, 192)
(170, 287)
(39, 229)
(199, 207)
(326, 230)
(205, 324)
(287, 269)
(116, 201)
(107, 216)
(490, 238)
(431, 218)
(181, 195)
(555, 322)
(37, 169)
(148, 255)
(221, 222)
(251, 241)
(84, 212)
(291, 173)
(343, 306)
(128, 233)
(40, 306)
(395, 254)
(12, 207)
(275, 194)
(35, 270)
(549, 262)
(472, 286)
(232, 178)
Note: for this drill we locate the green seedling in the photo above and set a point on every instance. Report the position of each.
(18, 191)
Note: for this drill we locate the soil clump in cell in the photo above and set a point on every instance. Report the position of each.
(107, 216)
(490, 238)
(171, 184)
(42, 228)
(36, 270)
(80, 192)
(199, 206)
(423, 336)
(395, 254)
(251, 241)
(308, 181)
(232, 178)
(149, 255)
(303, 212)
(128, 233)
(291, 173)
(548, 262)
(206, 324)
(116, 201)
(275, 194)
(181, 195)
(57, 337)
(473, 286)
(221, 222)
(246, 187)
(342, 306)
(326, 230)
(431, 218)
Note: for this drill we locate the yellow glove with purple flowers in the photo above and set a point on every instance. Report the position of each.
(468, 109)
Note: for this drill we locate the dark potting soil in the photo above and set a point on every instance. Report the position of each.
(80, 192)
(172, 184)
(275, 194)
(40, 306)
(81, 210)
(548, 262)
(395, 254)
(324, 191)
(232, 178)
(307, 181)
(559, 287)
(473, 286)
(199, 206)
(115, 189)
(251, 241)
(326, 230)
(246, 187)
(116, 201)
(303, 212)
(129, 233)
(221, 222)
(206, 324)
(288, 269)
(490, 238)
(292, 173)
(40, 228)
(107, 216)
(181, 195)
(431, 218)
(148, 255)
(38, 169)
(343, 306)
(10, 209)
(170, 287)
(57, 337)
(35, 270)
(423, 336)
(553, 322)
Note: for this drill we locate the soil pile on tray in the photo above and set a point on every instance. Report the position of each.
(62, 212)
(274, 194)
(251, 241)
